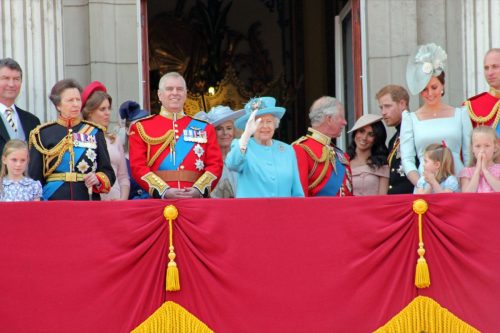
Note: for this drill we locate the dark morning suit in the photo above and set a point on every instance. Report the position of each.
(28, 122)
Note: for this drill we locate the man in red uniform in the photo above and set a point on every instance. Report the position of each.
(171, 154)
(323, 168)
(484, 109)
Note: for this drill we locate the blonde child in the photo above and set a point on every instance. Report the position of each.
(483, 174)
(438, 171)
(14, 185)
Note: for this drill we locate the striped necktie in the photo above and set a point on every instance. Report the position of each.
(10, 119)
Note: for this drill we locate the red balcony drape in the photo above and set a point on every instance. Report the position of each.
(247, 265)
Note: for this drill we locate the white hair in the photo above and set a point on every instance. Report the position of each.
(323, 107)
(161, 85)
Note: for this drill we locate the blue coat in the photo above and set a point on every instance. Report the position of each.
(265, 171)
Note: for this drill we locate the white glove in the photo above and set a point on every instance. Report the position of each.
(250, 129)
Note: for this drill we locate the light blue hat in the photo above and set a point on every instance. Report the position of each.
(428, 61)
(263, 105)
(219, 114)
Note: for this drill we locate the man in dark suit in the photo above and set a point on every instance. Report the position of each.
(393, 100)
(15, 123)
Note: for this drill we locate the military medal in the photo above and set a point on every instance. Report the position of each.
(84, 140)
(195, 134)
(198, 150)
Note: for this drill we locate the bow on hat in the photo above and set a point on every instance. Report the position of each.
(428, 61)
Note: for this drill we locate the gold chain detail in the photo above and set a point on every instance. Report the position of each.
(480, 119)
(50, 154)
(326, 154)
(152, 140)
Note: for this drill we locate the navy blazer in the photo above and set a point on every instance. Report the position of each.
(28, 120)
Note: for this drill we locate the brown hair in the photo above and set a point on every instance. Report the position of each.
(442, 154)
(441, 79)
(10, 147)
(398, 93)
(60, 87)
(484, 130)
(93, 102)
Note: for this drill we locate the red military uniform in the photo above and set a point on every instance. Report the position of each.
(484, 109)
(323, 168)
(173, 150)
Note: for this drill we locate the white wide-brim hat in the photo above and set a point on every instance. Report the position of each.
(263, 105)
(219, 114)
(428, 61)
(365, 120)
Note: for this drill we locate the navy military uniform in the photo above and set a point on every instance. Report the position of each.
(398, 182)
(63, 152)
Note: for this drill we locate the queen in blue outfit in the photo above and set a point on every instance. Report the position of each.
(265, 167)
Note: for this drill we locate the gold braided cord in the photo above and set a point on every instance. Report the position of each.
(423, 314)
(326, 154)
(50, 154)
(481, 120)
(393, 152)
(150, 139)
(169, 141)
(172, 318)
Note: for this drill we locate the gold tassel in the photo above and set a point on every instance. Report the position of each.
(172, 277)
(422, 276)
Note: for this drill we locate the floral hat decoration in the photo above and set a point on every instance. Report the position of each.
(428, 61)
(262, 106)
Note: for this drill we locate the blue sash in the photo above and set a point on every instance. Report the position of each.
(182, 148)
(51, 187)
(333, 184)
(498, 130)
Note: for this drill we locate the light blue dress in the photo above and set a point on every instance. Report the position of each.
(417, 134)
(25, 189)
(450, 183)
(265, 171)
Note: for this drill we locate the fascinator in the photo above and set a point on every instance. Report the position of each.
(428, 61)
(365, 120)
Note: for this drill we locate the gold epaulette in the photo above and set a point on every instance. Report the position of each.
(144, 118)
(299, 140)
(91, 123)
(36, 132)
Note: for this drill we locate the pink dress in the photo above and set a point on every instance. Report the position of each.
(365, 181)
(117, 157)
(483, 186)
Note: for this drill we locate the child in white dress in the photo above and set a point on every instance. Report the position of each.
(438, 175)
(14, 185)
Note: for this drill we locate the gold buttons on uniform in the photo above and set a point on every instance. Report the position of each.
(390, 187)
(175, 125)
(181, 167)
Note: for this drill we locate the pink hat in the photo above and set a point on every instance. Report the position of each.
(90, 89)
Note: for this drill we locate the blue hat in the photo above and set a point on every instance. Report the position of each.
(428, 61)
(219, 114)
(263, 105)
(131, 111)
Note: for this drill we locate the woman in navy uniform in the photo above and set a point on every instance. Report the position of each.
(69, 156)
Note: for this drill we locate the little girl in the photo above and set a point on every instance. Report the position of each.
(438, 171)
(14, 185)
(483, 174)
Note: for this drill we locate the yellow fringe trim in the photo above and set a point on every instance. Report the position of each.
(424, 314)
(172, 318)
(422, 275)
(172, 277)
